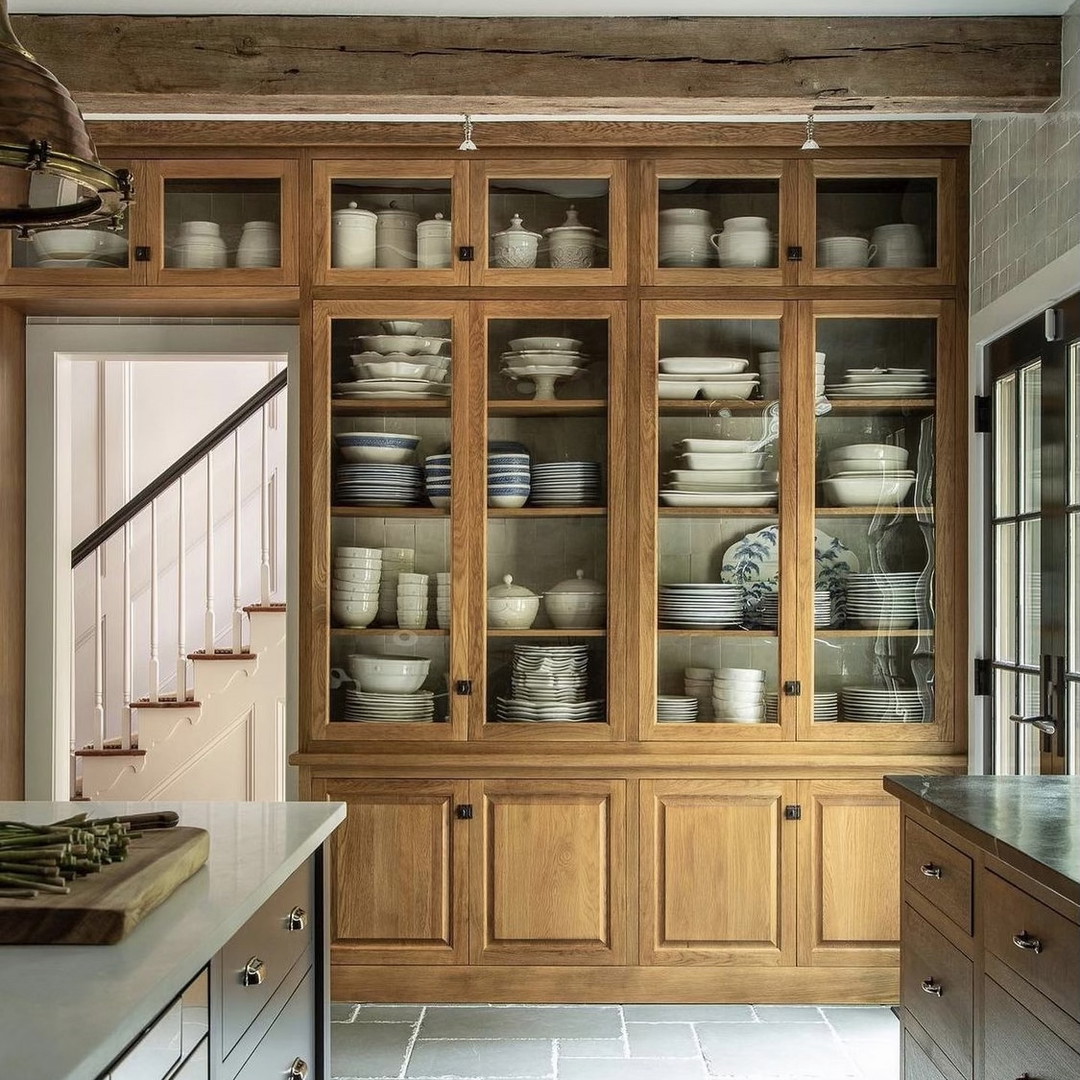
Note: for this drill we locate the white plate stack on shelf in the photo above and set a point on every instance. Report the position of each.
(395, 561)
(715, 378)
(882, 705)
(378, 485)
(884, 601)
(720, 472)
(706, 605)
(354, 595)
(883, 382)
(697, 683)
(412, 601)
(738, 696)
(418, 708)
(673, 709)
(388, 690)
(769, 364)
(442, 601)
(767, 613)
(543, 361)
(826, 708)
(548, 684)
(398, 365)
(868, 474)
(565, 483)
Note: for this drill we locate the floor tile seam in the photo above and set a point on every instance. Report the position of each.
(555, 1059)
(498, 1038)
(401, 1023)
(412, 1042)
(840, 1042)
(625, 1034)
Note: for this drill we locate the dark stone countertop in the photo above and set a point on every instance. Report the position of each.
(1029, 822)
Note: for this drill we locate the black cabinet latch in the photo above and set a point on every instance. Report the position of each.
(794, 253)
(142, 254)
(464, 812)
(793, 812)
(463, 687)
(466, 253)
(792, 688)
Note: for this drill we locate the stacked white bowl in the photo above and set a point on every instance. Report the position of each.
(769, 364)
(898, 245)
(867, 474)
(437, 479)
(442, 601)
(720, 472)
(884, 601)
(844, 251)
(738, 696)
(716, 378)
(826, 708)
(354, 593)
(697, 683)
(509, 475)
(684, 236)
(543, 361)
(412, 601)
(676, 709)
(388, 689)
(401, 363)
(395, 561)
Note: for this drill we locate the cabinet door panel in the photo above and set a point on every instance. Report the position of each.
(849, 874)
(548, 880)
(399, 877)
(718, 872)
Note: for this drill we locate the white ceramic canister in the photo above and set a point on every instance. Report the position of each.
(577, 603)
(510, 606)
(395, 238)
(745, 241)
(200, 246)
(571, 245)
(260, 244)
(515, 247)
(434, 243)
(684, 237)
(898, 245)
(352, 238)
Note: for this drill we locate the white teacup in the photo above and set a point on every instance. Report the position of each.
(745, 247)
(845, 251)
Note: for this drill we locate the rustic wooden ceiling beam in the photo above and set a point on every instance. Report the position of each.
(377, 64)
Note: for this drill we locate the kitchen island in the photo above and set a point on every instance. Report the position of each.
(73, 1012)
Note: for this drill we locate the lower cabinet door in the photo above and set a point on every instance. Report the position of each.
(717, 872)
(399, 868)
(287, 1050)
(849, 874)
(549, 872)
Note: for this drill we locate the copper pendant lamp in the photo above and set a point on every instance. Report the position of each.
(50, 176)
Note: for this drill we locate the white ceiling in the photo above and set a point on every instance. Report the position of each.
(548, 8)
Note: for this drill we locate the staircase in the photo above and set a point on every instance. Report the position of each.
(214, 729)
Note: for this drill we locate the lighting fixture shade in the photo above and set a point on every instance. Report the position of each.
(49, 172)
(811, 142)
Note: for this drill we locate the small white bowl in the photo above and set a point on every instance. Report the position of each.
(867, 491)
(729, 390)
(357, 575)
(507, 502)
(377, 447)
(401, 326)
(355, 614)
(741, 674)
(358, 552)
(878, 451)
(393, 369)
(408, 588)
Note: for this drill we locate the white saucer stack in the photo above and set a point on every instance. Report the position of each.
(826, 708)
(700, 605)
(885, 382)
(565, 483)
(768, 614)
(882, 705)
(548, 684)
(672, 709)
(883, 601)
(415, 708)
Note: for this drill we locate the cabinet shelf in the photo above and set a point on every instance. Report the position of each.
(389, 511)
(710, 408)
(546, 511)
(583, 407)
(719, 511)
(384, 631)
(380, 406)
(870, 511)
(737, 633)
(882, 405)
(872, 633)
(548, 632)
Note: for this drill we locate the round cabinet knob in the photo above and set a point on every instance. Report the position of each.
(254, 972)
(1024, 940)
(298, 1070)
(929, 986)
(297, 919)
(930, 870)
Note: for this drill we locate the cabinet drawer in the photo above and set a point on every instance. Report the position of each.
(936, 987)
(262, 953)
(197, 1066)
(917, 1063)
(157, 1051)
(1016, 1043)
(937, 871)
(287, 1050)
(1035, 941)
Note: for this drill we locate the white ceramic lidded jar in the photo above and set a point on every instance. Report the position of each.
(395, 238)
(577, 603)
(510, 606)
(514, 248)
(260, 244)
(684, 236)
(434, 243)
(352, 238)
(571, 245)
(200, 246)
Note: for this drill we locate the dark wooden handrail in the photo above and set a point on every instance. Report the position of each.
(169, 476)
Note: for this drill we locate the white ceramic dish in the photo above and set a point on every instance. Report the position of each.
(722, 462)
(716, 446)
(678, 391)
(719, 498)
(354, 614)
(735, 391)
(867, 491)
(376, 447)
(400, 326)
(410, 344)
(79, 243)
(703, 365)
(879, 451)
(545, 344)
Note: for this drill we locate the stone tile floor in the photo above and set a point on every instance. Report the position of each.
(614, 1042)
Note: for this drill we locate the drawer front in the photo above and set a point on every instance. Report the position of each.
(197, 1066)
(937, 871)
(262, 952)
(1035, 941)
(917, 1064)
(936, 987)
(1017, 1043)
(287, 1050)
(157, 1050)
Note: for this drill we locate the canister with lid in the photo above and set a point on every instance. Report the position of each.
(352, 241)
(514, 247)
(571, 245)
(433, 243)
(395, 238)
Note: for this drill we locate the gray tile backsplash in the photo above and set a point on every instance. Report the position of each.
(1025, 184)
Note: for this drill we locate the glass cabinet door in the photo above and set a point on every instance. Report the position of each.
(878, 222)
(717, 592)
(886, 546)
(553, 468)
(549, 222)
(389, 372)
(390, 223)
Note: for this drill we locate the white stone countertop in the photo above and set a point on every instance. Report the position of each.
(67, 1011)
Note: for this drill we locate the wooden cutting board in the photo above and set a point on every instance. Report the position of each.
(102, 908)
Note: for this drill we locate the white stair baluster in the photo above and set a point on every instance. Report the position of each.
(264, 518)
(181, 614)
(154, 684)
(208, 636)
(238, 613)
(99, 659)
(125, 711)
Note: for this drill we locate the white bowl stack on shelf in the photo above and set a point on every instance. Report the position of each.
(884, 382)
(697, 683)
(716, 378)
(398, 364)
(437, 471)
(768, 610)
(720, 472)
(565, 483)
(543, 361)
(738, 696)
(706, 605)
(868, 474)
(884, 601)
(412, 601)
(548, 685)
(826, 708)
(675, 709)
(395, 562)
(882, 705)
(388, 690)
(769, 365)
(442, 601)
(354, 592)
(509, 474)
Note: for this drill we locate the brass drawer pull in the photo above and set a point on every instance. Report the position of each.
(254, 972)
(930, 870)
(1024, 940)
(299, 1070)
(297, 919)
(931, 987)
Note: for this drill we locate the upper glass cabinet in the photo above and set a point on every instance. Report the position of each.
(382, 223)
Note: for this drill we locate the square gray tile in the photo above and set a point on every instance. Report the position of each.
(774, 1049)
(522, 1022)
(368, 1049)
(863, 1022)
(640, 1069)
(395, 1014)
(662, 1041)
(876, 1059)
(481, 1058)
(591, 1048)
(687, 1013)
(342, 1014)
(788, 1014)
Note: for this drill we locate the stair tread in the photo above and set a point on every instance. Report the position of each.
(110, 751)
(220, 654)
(264, 607)
(166, 701)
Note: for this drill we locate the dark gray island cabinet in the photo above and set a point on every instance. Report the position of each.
(990, 928)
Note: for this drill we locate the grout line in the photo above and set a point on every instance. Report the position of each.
(700, 1048)
(625, 1033)
(412, 1042)
(555, 1059)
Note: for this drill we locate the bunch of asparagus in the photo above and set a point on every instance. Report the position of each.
(45, 858)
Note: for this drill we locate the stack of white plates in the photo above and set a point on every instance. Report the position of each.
(398, 366)
(378, 485)
(769, 363)
(768, 611)
(704, 604)
(826, 708)
(548, 683)
(566, 483)
(868, 474)
(884, 601)
(883, 383)
(720, 479)
(882, 705)
(518, 711)
(715, 378)
(395, 562)
(672, 709)
(416, 708)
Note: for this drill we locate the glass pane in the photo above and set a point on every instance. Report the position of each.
(1006, 479)
(1005, 731)
(1006, 560)
(1030, 595)
(558, 223)
(730, 222)
(391, 223)
(1027, 737)
(1073, 650)
(872, 221)
(1030, 465)
(1073, 466)
(1072, 714)
(403, 360)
